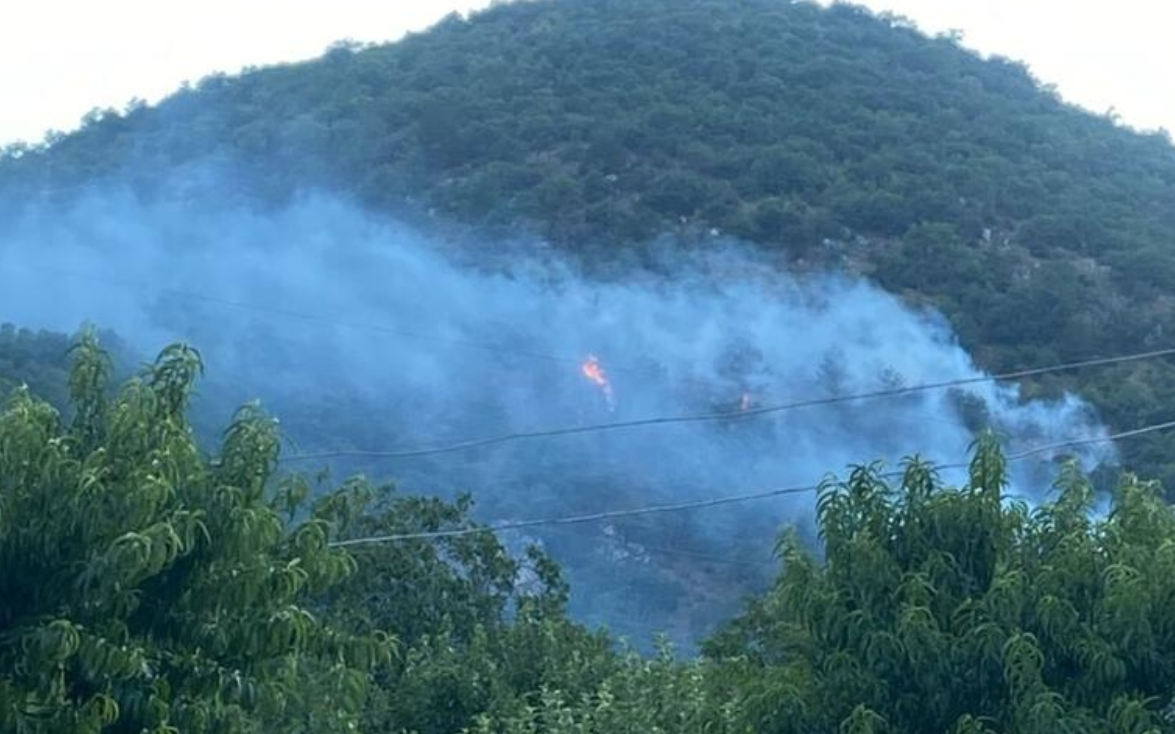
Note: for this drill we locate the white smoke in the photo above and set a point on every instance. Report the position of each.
(361, 333)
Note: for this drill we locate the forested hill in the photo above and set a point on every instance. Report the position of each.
(832, 135)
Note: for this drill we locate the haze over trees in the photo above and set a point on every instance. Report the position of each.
(834, 136)
(153, 581)
(146, 585)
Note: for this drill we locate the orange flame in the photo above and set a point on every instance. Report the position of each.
(594, 371)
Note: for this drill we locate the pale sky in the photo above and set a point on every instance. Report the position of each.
(61, 58)
(1099, 54)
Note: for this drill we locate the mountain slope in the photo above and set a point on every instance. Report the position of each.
(35, 359)
(831, 135)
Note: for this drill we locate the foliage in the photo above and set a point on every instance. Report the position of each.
(147, 587)
(35, 359)
(40, 360)
(655, 695)
(478, 629)
(840, 137)
(961, 610)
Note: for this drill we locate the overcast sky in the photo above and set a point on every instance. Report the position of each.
(1099, 54)
(60, 58)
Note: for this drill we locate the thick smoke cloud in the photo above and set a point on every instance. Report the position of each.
(361, 333)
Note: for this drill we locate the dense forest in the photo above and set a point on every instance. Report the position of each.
(35, 359)
(180, 590)
(186, 581)
(830, 135)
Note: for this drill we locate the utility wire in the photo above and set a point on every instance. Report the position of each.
(702, 417)
(717, 501)
(727, 415)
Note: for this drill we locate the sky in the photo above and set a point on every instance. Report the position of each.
(1099, 55)
(61, 58)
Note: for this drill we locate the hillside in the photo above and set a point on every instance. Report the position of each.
(149, 585)
(39, 360)
(831, 136)
(36, 359)
(165, 566)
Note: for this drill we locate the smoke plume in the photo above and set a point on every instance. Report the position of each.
(360, 333)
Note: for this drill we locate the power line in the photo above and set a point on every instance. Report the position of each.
(717, 501)
(727, 415)
(1090, 441)
(702, 417)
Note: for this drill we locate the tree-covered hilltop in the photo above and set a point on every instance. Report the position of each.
(38, 359)
(832, 135)
(148, 586)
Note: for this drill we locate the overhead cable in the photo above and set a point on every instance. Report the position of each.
(725, 415)
(717, 501)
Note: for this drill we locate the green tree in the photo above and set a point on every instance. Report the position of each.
(145, 586)
(960, 181)
(940, 609)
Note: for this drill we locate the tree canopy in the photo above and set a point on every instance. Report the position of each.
(150, 581)
(148, 586)
(962, 610)
(834, 136)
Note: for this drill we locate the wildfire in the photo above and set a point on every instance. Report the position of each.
(594, 371)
